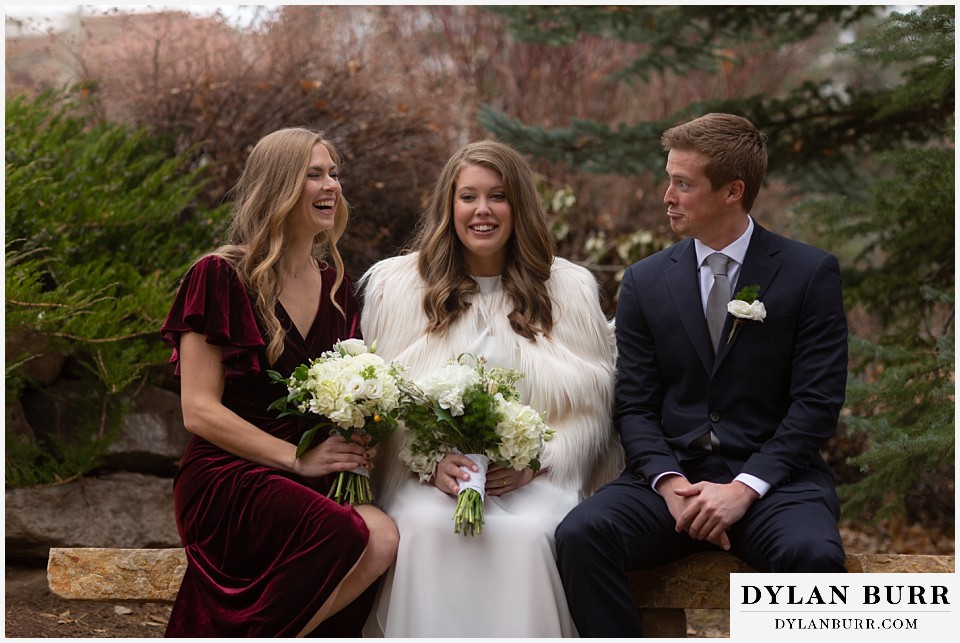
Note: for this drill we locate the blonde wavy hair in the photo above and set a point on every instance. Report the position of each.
(265, 194)
(530, 250)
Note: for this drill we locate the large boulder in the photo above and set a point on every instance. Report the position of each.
(152, 437)
(126, 510)
(42, 362)
(64, 410)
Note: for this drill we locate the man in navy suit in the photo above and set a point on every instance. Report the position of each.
(722, 437)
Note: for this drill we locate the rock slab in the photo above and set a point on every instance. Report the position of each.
(118, 510)
(95, 574)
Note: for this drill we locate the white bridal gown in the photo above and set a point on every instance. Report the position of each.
(501, 583)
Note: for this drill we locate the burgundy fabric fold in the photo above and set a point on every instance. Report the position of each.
(213, 302)
(265, 548)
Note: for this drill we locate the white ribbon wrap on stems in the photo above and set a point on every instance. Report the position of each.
(359, 470)
(478, 479)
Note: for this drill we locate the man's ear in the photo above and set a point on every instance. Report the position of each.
(735, 190)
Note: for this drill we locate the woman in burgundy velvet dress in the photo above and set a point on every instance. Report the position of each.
(268, 553)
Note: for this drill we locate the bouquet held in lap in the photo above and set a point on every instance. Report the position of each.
(465, 407)
(354, 391)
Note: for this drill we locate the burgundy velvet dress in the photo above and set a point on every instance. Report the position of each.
(265, 548)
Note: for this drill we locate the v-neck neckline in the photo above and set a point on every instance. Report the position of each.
(310, 330)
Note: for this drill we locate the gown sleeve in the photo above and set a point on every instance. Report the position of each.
(213, 302)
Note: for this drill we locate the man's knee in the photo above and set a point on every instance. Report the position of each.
(814, 555)
(575, 531)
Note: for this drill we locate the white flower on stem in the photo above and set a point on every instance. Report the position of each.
(522, 433)
(753, 311)
(447, 385)
(372, 389)
(351, 347)
(745, 307)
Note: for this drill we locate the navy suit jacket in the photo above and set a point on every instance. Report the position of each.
(772, 395)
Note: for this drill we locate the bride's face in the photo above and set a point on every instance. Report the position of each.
(483, 220)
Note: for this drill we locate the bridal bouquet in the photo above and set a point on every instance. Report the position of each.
(354, 391)
(465, 407)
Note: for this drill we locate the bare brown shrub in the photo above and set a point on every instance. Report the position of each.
(208, 88)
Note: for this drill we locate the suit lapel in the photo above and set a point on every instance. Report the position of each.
(684, 283)
(760, 267)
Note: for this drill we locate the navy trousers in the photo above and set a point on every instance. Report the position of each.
(626, 526)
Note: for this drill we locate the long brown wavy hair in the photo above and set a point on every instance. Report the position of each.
(265, 194)
(530, 249)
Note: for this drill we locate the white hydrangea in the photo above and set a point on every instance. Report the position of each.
(522, 432)
(349, 385)
(446, 386)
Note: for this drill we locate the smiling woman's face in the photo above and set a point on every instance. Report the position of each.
(314, 211)
(483, 220)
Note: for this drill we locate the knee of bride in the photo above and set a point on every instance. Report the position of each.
(529, 530)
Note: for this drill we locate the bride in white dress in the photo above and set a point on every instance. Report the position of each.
(484, 280)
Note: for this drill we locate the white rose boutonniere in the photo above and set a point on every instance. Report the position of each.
(745, 307)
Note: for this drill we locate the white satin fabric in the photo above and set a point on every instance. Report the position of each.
(501, 583)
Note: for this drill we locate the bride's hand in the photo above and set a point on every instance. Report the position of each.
(449, 473)
(502, 480)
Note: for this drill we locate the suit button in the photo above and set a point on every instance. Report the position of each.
(714, 417)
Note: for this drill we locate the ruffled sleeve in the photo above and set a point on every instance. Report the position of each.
(213, 302)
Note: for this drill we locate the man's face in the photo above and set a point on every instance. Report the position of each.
(694, 208)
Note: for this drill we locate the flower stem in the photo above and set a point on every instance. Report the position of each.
(351, 488)
(468, 515)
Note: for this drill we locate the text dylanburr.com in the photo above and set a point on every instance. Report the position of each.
(854, 606)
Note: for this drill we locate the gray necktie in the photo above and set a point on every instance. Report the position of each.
(718, 297)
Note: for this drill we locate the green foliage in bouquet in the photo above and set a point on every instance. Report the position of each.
(465, 407)
(434, 427)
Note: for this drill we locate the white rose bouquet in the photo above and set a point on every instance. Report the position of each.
(354, 391)
(467, 408)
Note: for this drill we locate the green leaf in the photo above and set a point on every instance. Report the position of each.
(306, 440)
(748, 294)
(444, 415)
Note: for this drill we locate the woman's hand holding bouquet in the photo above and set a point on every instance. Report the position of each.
(467, 408)
(352, 391)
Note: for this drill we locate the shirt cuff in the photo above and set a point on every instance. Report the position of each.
(755, 483)
(665, 473)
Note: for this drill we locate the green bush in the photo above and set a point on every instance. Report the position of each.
(99, 228)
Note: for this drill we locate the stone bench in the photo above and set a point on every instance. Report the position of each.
(662, 594)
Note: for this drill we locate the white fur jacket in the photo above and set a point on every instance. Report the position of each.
(569, 377)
